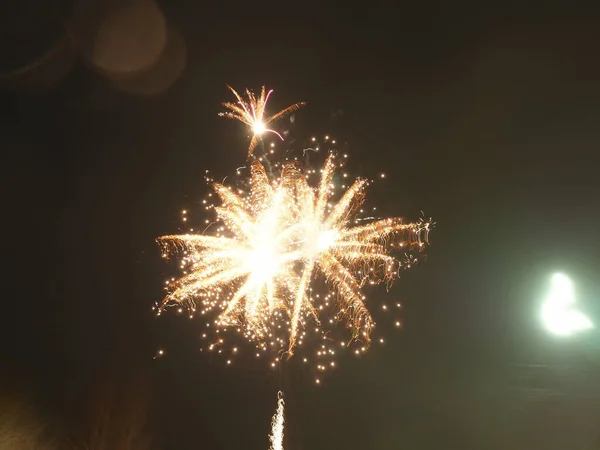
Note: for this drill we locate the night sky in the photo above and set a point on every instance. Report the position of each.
(485, 119)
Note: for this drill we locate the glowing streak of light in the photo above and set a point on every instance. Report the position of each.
(277, 424)
(252, 113)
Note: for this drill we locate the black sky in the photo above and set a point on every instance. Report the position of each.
(485, 119)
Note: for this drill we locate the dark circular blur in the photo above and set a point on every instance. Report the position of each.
(160, 76)
(119, 37)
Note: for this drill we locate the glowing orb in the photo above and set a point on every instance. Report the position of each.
(559, 313)
(259, 128)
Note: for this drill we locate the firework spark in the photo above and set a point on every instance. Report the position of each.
(277, 424)
(272, 242)
(252, 113)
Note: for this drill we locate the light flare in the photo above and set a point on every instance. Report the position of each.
(559, 312)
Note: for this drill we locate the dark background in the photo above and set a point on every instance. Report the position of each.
(486, 119)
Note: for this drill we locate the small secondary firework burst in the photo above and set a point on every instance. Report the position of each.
(257, 272)
(277, 424)
(252, 113)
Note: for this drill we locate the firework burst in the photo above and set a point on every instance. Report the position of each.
(244, 269)
(256, 273)
(252, 113)
(347, 256)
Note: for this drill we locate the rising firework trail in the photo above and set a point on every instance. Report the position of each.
(276, 436)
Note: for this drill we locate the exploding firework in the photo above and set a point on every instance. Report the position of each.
(347, 256)
(252, 113)
(257, 273)
(246, 267)
(277, 424)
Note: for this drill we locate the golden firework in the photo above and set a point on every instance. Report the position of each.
(272, 242)
(252, 113)
(347, 256)
(244, 269)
